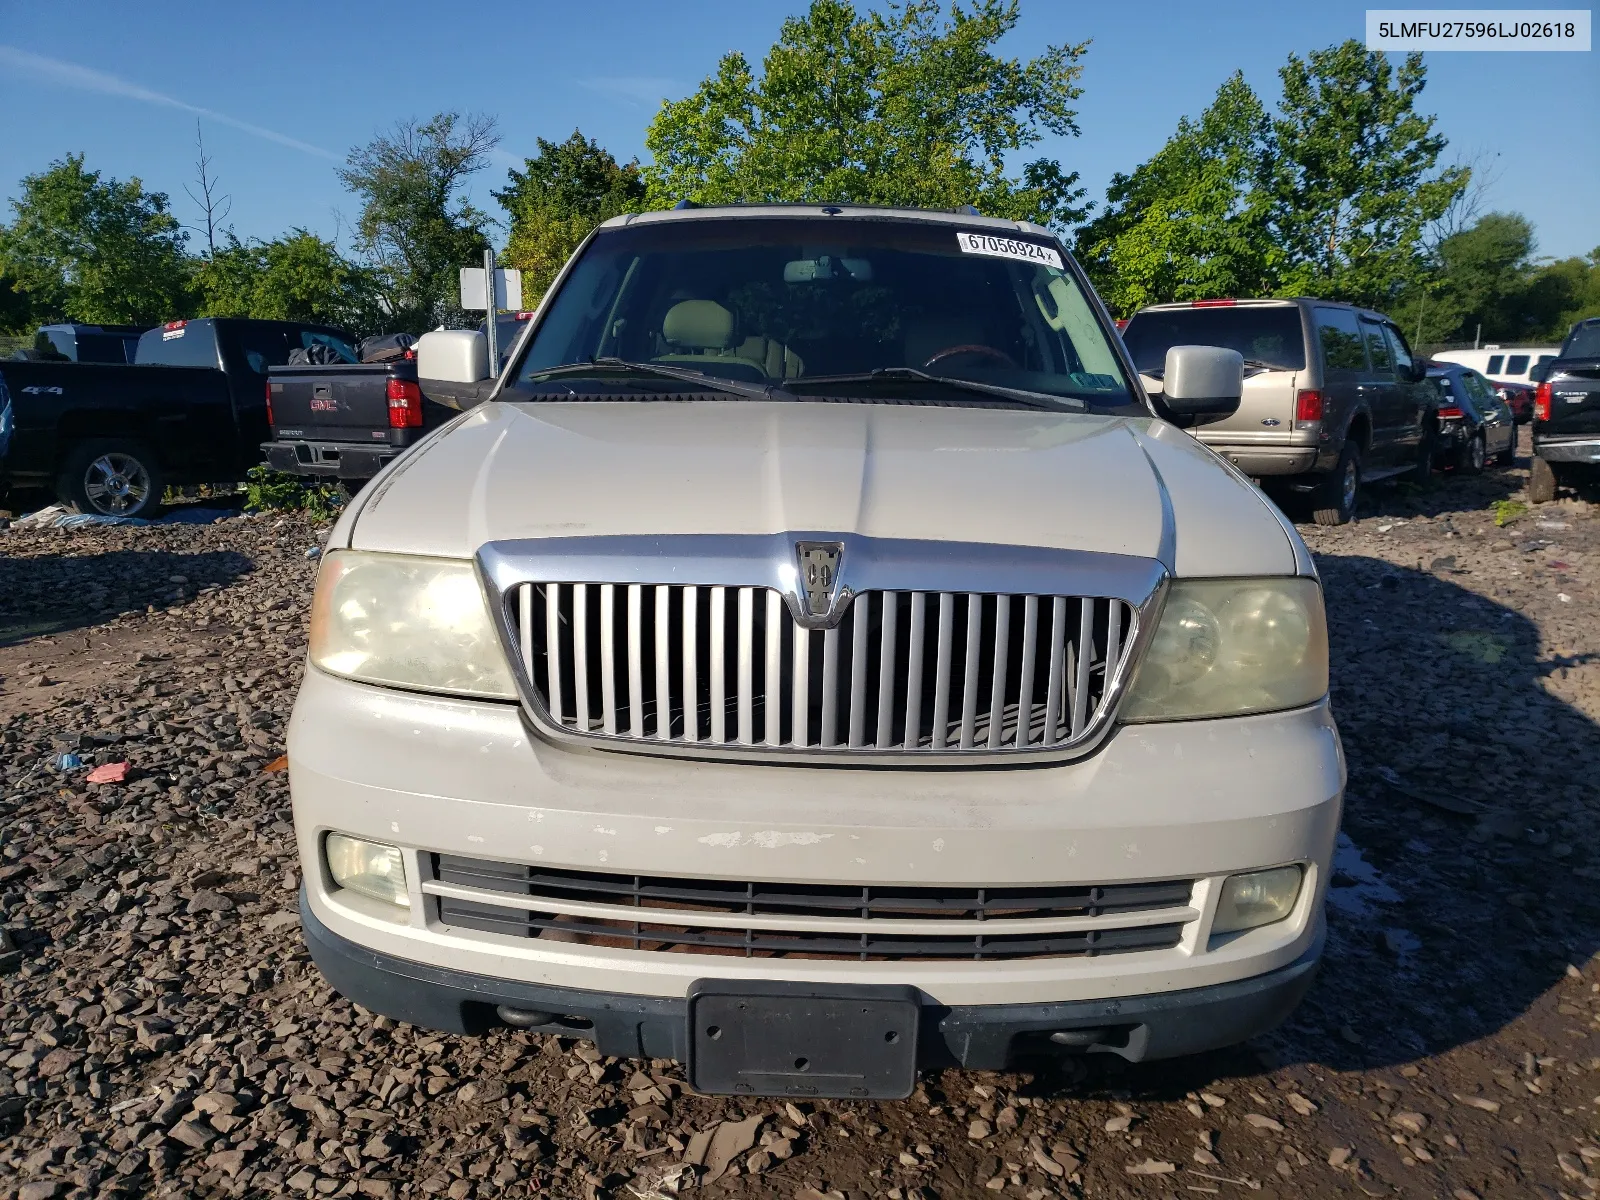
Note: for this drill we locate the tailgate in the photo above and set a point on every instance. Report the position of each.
(1265, 416)
(1574, 399)
(335, 403)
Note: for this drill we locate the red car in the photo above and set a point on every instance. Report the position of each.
(1518, 398)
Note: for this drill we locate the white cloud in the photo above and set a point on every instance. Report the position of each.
(87, 79)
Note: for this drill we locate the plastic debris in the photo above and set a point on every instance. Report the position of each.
(67, 762)
(314, 552)
(281, 763)
(116, 772)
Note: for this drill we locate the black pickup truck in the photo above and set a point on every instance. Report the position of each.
(1566, 414)
(192, 408)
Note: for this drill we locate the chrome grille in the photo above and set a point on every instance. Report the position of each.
(904, 672)
(809, 921)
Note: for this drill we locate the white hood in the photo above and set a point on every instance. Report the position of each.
(1065, 481)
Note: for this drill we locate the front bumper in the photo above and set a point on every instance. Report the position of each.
(1194, 801)
(978, 1037)
(329, 460)
(1573, 450)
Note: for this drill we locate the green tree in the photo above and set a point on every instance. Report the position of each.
(1564, 292)
(562, 193)
(1356, 181)
(416, 227)
(1193, 220)
(87, 248)
(298, 277)
(906, 107)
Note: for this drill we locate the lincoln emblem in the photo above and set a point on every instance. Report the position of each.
(819, 573)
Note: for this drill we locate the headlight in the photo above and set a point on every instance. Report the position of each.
(1231, 646)
(1259, 898)
(369, 868)
(407, 622)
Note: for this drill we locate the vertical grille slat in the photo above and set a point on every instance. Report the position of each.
(969, 678)
(861, 626)
(904, 672)
(747, 637)
(919, 620)
(719, 665)
(691, 665)
(886, 661)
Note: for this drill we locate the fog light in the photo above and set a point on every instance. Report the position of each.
(368, 868)
(1256, 899)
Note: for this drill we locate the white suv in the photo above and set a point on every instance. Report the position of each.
(819, 661)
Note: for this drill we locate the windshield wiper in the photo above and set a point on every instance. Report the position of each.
(1042, 400)
(715, 383)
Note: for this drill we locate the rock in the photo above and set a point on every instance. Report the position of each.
(731, 1139)
(1339, 1157)
(229, 1162)
(1257, 1121)
(1411, 1122)
(1300, 1104)
(1047, 1164)
(1118, 1124)
(43, 1189)
(214, 1103)
(1152, 1166)
(1480, 1102)
(978, 1130)
(281, 920)
(192, 1134)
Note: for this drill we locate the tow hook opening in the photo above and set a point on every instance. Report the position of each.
(533, 1018)
(1100, 1037)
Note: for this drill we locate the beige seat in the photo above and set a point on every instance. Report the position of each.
(701, 330)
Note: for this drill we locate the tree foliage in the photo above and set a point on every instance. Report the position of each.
(1356, 183)
(298, 277)
(93, 249)
(907, 106)
(416, 226)
(562, 193)
(1193, 220)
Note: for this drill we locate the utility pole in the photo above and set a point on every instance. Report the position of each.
(1478, 335)
(491, 325)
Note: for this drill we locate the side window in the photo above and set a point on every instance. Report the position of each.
(191, 345)
(1496, 361)
(1378, 350)
(1517, 364)
(1402, 352)
(1341, 340)
(262, 347)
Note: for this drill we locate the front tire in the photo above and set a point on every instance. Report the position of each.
(1334, 500)
(111, 478)
(1542, 481)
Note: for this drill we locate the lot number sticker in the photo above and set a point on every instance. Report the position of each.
(999, 247)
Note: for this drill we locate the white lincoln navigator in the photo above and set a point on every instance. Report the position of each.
(819, 660)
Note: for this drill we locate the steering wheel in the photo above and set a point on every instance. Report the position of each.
(986, 351)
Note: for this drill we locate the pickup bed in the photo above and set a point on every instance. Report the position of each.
(108, 437)
(344, 420)
(1566, 415)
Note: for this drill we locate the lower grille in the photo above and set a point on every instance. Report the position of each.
(908, 672)
(806, 921)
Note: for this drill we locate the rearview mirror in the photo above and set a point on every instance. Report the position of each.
(1203, 383)
(453, 356)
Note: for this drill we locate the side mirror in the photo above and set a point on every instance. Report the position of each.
(1203, 383)
(1417, 372)
(453, 356)
(1539, 373)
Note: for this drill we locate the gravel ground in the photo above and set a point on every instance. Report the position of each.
(166, 1034)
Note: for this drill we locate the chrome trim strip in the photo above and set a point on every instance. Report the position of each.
(746, 562)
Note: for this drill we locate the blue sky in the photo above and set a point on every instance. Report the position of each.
(284, 90)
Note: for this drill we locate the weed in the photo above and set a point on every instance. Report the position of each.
(1507, 511)
(268, 489)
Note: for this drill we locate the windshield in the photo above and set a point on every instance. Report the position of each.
(1266, 336)
(814, 306)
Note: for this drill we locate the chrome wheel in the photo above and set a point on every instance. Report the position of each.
(1347, 485)
(1476, 453)
(117, 484)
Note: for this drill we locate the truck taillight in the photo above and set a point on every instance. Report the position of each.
(1541, 403)
(175, 324)
(1308, 405)
(405, 404)
(1451, 412)
(270, 421)
(1219, 302)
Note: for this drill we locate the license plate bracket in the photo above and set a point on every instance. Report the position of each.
(760, 1038)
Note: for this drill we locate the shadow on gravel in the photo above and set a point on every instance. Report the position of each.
(56, 593)
(1472, 879)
